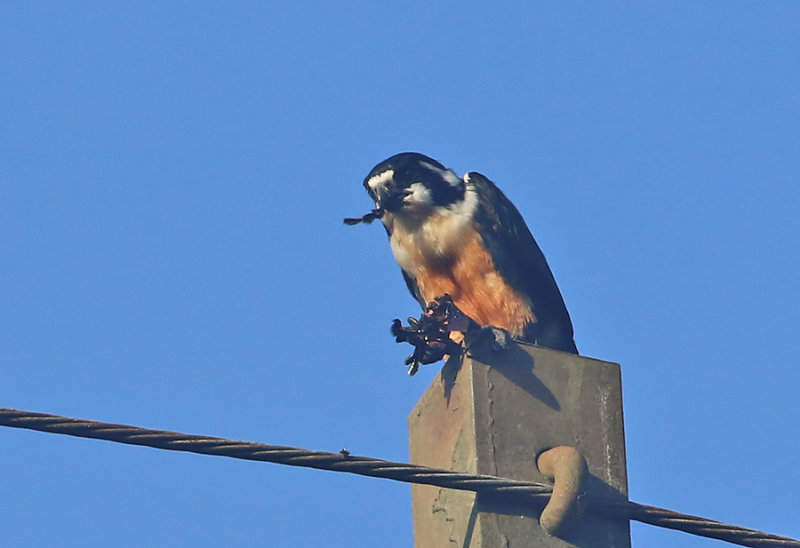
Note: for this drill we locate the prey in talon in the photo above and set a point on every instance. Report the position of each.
(461, 243)
(430, 334)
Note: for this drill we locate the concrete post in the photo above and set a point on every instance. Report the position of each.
(493, 413)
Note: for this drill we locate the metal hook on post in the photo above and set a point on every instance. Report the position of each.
(565, 467)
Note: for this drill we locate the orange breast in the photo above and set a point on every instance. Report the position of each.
(476, 287)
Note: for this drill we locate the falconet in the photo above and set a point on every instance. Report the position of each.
(463, 247)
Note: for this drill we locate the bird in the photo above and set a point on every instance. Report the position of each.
(461, 237)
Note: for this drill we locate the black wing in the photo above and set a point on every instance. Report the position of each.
(519, 260)
(411, 283)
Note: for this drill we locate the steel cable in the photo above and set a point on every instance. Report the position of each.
(521, 492)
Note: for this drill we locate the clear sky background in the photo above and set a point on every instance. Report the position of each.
(173, 178)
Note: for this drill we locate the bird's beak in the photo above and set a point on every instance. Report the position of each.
(392, 199)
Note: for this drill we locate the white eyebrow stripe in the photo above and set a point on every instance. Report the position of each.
(446, 174)
(452, 178)
(380, 179)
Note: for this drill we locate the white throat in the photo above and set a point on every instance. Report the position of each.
(420, 237)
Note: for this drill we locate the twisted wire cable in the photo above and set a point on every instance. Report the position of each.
(521, 492)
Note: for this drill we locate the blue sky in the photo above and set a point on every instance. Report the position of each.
(172, 182)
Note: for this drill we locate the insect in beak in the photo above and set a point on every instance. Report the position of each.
(392, 202)
(366, 218)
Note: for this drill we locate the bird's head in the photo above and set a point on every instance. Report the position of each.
(412, 186)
